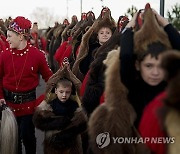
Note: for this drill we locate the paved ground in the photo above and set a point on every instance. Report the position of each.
(39, 134)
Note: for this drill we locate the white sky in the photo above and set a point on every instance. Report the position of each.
(58, 8)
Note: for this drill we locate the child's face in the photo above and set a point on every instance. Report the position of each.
(104, 34)
(63, 93)
(13, 39)
(150, 70)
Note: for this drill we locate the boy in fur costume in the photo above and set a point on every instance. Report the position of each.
(141, 53)
(161, 116)
(60, 115)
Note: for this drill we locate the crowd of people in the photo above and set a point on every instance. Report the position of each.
(102, 76)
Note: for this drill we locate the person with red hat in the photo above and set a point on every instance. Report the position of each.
(20, 67)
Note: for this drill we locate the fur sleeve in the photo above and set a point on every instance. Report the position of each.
(94, 90)
(78, 125)
(45, 120)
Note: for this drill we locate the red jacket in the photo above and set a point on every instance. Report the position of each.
(63, 51)
(21, 74)
(150, 125)
(3, 43)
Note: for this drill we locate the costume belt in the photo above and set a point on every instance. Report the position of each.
(19, 98)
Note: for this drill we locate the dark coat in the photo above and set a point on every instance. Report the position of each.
(62, 133)
(140, 93)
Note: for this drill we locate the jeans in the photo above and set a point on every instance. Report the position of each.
(26, 134)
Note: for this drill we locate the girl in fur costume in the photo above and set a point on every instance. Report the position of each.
(101, 30)
(93, 86)
(60, 115)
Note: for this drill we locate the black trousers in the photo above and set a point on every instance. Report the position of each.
(26, 134)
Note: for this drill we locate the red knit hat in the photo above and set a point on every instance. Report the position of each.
(20, 25)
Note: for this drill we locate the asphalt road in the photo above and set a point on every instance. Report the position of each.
(39, 134)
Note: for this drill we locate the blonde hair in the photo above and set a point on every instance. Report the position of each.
(64, 82)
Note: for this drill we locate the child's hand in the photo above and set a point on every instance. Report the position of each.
(2, 101)
(132, 22)
(161, 20)
(66, 63)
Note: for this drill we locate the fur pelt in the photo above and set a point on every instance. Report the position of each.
(116, 116)
(95, 84)
(8, 131)
(171, 64)
(63, 140)
(62, 72)
(106, 21)
(64, 35)
(83, 51)
(149, 33)
(84, 46)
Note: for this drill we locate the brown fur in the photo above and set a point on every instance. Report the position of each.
(106, 21)
(64, 34)
(44, 111)
(83, 51)
(62, 72)
(149, 33)
(116, 115)
(171, 64)
(84, 46)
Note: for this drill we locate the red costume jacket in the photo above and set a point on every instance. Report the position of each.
(150, 125)
(64, 50)
(21, 74)
(3, 43)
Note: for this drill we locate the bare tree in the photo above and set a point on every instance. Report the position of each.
(45, 17)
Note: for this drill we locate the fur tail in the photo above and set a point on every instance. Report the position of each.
(8, 133)
(114, 87)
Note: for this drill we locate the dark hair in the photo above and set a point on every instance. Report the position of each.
(154, 49)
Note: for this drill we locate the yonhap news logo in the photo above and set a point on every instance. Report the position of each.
(103, 140)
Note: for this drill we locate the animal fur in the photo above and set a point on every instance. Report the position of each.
(8, 132)
(44, 114)
(64, 35)
(84, 46)
(62, 72)
(83, 51)
(116, 115)
(149, 33)
(171, 64)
